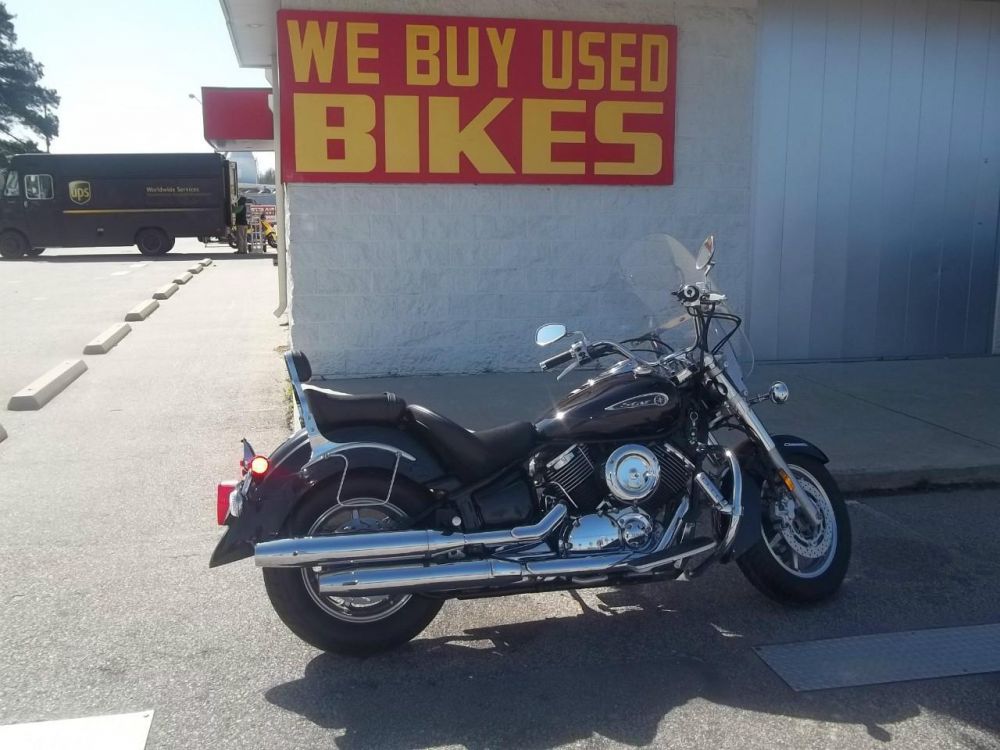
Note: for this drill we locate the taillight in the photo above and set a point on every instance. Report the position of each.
(222, 492)
(259, 466)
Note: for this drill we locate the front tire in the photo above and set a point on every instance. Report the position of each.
(355, 626)
(792, 561)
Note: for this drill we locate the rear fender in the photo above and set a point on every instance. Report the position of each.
(270, 501)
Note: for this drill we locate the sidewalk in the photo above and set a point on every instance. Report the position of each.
(885, 425)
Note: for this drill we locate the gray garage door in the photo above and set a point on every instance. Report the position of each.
(876, 178)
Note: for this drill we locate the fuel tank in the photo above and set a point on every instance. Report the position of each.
(611, 406)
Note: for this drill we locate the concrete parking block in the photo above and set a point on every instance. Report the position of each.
(141, 311)
(48, 386)
(205, 261)
(107, 340)
(166, 291)
(3, 433)
(196, 268)
(183, 278)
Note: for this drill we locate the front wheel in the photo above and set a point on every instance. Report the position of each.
(357, 625)
(794, 561)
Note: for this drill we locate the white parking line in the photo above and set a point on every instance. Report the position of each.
(115, 732)
(139, 265)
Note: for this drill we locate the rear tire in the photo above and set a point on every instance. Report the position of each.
(153, 241)
(13, 244)
(349, 625)
(765, 565)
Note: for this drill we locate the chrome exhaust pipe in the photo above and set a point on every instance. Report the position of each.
(394, 545)
(477, 574)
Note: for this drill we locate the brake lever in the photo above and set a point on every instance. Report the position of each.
(569, 368)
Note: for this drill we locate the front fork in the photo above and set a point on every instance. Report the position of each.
(739, 406)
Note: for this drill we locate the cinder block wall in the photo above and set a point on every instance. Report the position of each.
(404, 279)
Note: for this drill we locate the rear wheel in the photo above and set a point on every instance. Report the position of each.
(13, 244)
(795, 561)
(153, 241)
(349, 625)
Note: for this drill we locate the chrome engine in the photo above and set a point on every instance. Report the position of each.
(629, 530)
(631, 475)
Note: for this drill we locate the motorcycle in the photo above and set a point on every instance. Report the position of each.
(375, 512)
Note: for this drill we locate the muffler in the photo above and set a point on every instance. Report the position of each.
(480, 574)
(395, 545)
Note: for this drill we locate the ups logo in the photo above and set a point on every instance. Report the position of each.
(79, 191)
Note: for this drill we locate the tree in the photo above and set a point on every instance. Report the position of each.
(25, 105)
(267, 176)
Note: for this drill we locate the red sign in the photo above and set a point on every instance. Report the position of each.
(403, 98)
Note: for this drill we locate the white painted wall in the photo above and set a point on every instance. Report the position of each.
(434, 279)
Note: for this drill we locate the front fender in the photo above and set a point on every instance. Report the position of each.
(269, 502)
(754, 475)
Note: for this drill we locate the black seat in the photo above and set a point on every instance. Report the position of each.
(332, 409)
(473, 455)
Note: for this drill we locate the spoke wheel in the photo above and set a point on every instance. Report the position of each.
(356, 516)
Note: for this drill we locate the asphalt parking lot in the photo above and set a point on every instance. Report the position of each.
(109, 606)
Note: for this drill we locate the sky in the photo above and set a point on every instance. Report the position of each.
(124, 69)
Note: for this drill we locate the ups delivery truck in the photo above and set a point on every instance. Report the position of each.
(109, 200)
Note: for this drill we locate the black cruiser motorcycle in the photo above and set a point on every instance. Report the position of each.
(375, 512)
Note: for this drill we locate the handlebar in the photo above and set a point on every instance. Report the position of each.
(559, 359)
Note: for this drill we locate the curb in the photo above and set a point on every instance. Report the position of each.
(901, 480)
(205, 262)
(105, 341)
(183, 278)
(166, 291)
(141, 311)
(48, 386)
(196, 268)
(3, 433)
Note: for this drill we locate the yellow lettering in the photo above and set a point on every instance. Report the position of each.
(448, 140)
(356, 53)
(416, 54)
(609, 127)
(538, 136)
(402, 134)
(621, 62)
(596, 62)
(654, 78)
(314, 46)
(501, 52)
(313, 133)
(471, 75)
(565, 78)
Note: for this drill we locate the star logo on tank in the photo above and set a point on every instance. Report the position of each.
(79, 192)
(640, 402)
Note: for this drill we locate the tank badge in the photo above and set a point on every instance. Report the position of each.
(646, 400)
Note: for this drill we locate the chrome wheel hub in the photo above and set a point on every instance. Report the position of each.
(803, 549)
(358, 516)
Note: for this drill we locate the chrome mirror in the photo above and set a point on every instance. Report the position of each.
(549, 334)
(705, 253)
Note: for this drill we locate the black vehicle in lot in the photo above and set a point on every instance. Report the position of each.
(109, 200)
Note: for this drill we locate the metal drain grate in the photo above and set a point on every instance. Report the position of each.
(887, 657)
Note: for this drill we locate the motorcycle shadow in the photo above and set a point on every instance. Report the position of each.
(635, 666)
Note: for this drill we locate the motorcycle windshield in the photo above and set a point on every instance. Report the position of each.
(658, 265)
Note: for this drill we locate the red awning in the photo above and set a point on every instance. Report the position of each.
(237, 119)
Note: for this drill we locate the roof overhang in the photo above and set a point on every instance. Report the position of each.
(251, 28)
(237, 119)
